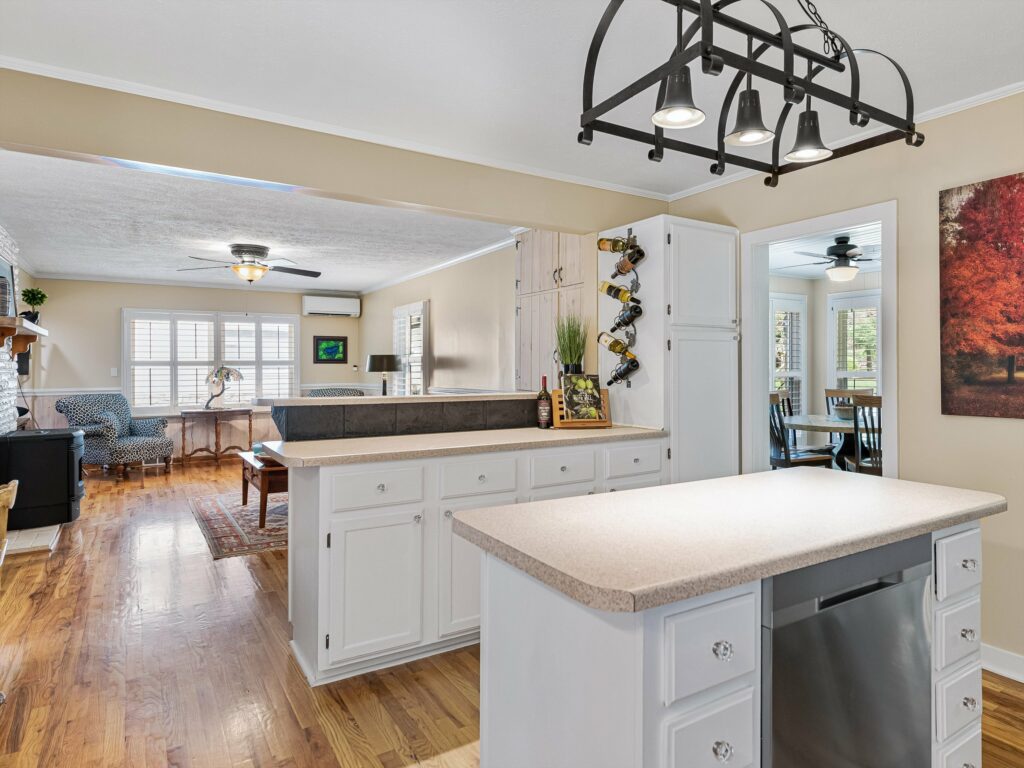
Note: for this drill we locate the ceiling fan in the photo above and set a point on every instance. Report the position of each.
(843, 256)
(251, 263)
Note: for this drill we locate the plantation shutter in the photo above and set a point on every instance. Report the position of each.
(789, 359)
(238, 350)
(149, 360)
(854, 340)
(410, 340)
(194, 359)
(277, 358)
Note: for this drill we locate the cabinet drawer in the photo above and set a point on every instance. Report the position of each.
(958, 701)
(562, 468)
(634, 460)
(708, 646)
(958, 632)
(629, 483)
(722, 733)
(957, 563)
(377, 488)
(470, 478)
(965, 752)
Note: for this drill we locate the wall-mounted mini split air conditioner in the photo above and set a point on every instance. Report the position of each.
(338, 306)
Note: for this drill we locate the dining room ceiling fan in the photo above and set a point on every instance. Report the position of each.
(251, 263)
(843, 257)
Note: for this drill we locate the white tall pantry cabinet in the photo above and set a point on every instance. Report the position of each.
(687, 342)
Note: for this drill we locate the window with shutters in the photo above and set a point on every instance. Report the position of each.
(854, 340)
(169, 354)
(411, 334)
(788, 326)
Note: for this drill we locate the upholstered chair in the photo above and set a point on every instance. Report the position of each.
(113, 438)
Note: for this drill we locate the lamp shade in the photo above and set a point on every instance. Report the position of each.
(383, 363)
(250, 271)
(749, 130)
(842, 273)
(677, 109)
(808, 147)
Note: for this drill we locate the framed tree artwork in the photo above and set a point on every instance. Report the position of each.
(981, 274)
(330, 349)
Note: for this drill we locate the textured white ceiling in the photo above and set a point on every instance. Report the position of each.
(495, 81)
(101, 222)
(784, 259)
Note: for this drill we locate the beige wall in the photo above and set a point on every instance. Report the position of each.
(84, 321)
(472, 321)
(976, 144)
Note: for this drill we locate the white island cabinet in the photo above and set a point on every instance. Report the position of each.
(671, 627)
(376, 575)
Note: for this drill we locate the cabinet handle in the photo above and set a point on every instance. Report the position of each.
(381, 488)
(417, 518)
(636, 459)
(448, 514)
(969, 564)
(723, 650)
(968, 765)
(970, 703)
(968, 634)
(722, 750)
(482, 479)
(563, 469)
(560, 278)
(554, 278)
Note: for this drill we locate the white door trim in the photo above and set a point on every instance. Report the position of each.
(754, 311)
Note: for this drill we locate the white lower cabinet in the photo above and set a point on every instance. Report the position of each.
(458, 570)
(375, 582)
(717, 734)
(964, 752)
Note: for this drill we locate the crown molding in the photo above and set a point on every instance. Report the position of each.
(445, 264)
(177, 97)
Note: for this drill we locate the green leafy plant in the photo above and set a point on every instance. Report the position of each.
(571, 339)
(34, 297)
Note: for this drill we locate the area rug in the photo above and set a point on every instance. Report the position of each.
(231, 529)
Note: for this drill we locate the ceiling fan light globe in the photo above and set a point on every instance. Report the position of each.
(677, 109)
(749, 130)
(249, 272)
(842, 273)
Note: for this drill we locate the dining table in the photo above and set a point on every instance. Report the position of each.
(820, 422)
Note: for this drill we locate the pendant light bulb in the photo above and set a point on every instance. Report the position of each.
(749, 130)
(808, 147)
(677, 109)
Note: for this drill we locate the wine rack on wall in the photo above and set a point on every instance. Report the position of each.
(630, 255)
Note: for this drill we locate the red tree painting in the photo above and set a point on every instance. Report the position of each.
(981, 267)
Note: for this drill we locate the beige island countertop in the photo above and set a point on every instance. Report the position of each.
(640, 549)
(360, 450)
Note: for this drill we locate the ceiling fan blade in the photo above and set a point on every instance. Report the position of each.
(812, 255)
(859, 260)
(809, 264)
(193, 269)
(215, 261)
(293, 271)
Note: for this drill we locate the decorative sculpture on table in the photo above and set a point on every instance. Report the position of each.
(216, 382)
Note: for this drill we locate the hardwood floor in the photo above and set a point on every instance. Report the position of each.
(130, 646)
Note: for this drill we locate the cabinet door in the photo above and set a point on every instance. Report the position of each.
(704, 404)
(458, 570)
(570, 259)
(525, 312)
(375, 587)
(545, 314)
(524, 262)
(704, 277)
(570, 301)
(544, 254)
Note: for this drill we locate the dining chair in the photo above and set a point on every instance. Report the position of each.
(867, 435)
(785, 399)
(782, 454)
(834, 397)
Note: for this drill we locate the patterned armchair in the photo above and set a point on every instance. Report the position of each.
(112, 436)
(335, 392)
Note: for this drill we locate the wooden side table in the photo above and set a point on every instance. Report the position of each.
(218, 415)
(266, 476)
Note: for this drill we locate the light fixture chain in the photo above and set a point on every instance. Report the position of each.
(831, 45)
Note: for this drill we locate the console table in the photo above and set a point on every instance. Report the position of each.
(218, 415)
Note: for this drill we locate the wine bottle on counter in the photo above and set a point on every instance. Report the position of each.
(629, 313)
(617, 292)
(628, 261)
(544, 405)
(624, 370)
(612, 244)
(618, 346)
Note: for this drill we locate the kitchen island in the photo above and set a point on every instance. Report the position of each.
(786, 619)
(375, 575)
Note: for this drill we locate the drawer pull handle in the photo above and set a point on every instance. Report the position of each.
(564, 468)
(722, 650)
(969, 564)
(482, 479)
(968, 765)
(970, 703)
(722, 750)
(417, 518)
(636, 459)
(968, 634)
(448, 514)
(381, 488)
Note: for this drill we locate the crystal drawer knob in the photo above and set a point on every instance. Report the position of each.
(722, 750)
(448, 514)
(482, 479)
(564, 469)
(970, 703)
(723, 650)
(968, 634)
(381, 488)
(969, 564)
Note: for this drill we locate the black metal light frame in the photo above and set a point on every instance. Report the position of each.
(715, 58)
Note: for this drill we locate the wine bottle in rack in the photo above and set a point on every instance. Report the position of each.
(628, 315)
(629, 260)
(617, 346)
(544, 405)
(624, 370)
(612, 244)
(617, 292)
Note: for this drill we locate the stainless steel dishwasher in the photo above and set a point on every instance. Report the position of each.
(846, 665)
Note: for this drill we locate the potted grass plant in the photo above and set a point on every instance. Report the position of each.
(571, 342)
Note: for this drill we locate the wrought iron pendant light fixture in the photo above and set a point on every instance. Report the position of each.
(675, 107)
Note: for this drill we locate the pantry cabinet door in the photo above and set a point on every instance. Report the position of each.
(570, 259)
(704, 276)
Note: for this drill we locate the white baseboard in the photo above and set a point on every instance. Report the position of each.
(1005, 663)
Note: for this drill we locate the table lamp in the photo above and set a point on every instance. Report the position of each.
(382, 364)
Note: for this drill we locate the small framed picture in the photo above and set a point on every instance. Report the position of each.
(8, 305)
(330, 349)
